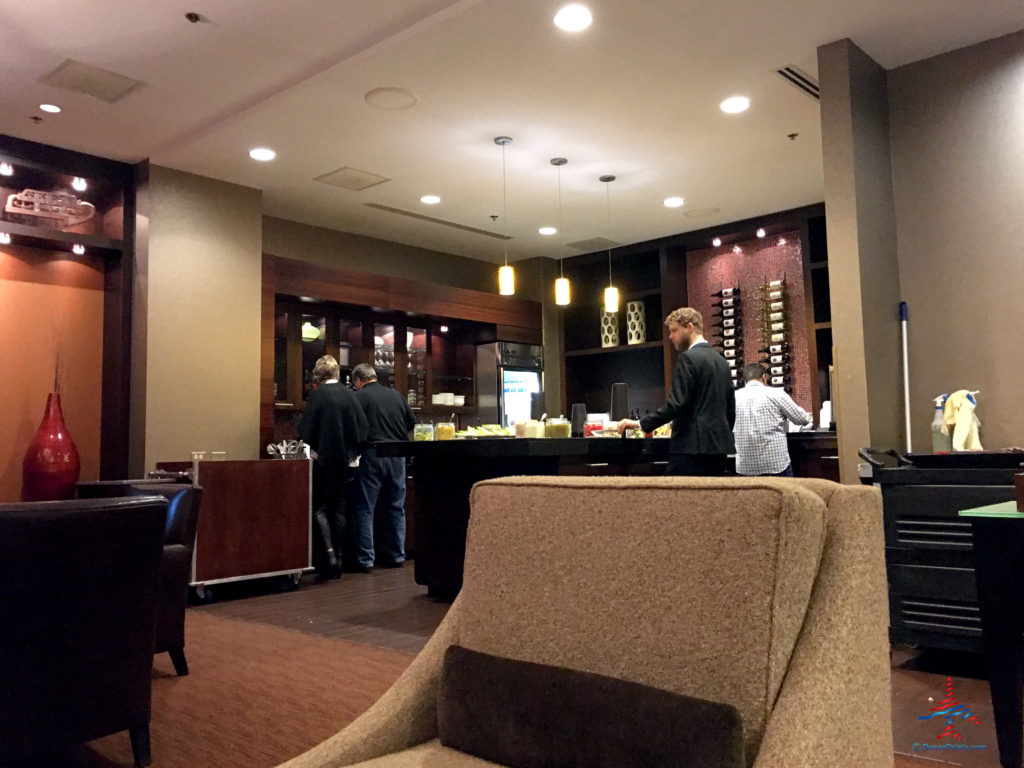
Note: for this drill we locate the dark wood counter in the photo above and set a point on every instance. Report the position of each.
(445, 471)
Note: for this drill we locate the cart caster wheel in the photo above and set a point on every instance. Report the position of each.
(204, 595)
(290, 582)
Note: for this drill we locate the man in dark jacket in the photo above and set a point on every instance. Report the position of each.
(334, 427)
(380, 480)
(701, 404)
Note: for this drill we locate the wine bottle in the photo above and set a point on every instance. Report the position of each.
(729, 312)
(778, 326)
(774, 349)
(732, 343)
(777, 360)
(777, 338)
(776, 283)
(727, 292)
(776, 316)
(728, 353)
(731, 361)
(779, 370)
(731, 332)
(727, 302)
(775, 295)
(777, 306)
(725, 322)
(778, 381)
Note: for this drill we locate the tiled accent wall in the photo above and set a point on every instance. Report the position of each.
(763, 259)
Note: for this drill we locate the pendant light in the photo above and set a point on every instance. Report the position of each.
(562, 289)
(611, 293)
(506, 275)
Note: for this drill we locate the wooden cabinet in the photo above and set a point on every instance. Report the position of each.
(419, 357)
(590, 368)
(58, 205)
(656, 274)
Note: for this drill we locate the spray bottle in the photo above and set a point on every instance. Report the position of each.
(940, 441)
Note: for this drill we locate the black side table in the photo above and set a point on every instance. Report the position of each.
(998, 532)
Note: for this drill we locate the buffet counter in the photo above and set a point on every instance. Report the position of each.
(444, 471)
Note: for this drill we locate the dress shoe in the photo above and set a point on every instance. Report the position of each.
(391, 564)
(359, 568)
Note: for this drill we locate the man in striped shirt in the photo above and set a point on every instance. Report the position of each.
(760, 430)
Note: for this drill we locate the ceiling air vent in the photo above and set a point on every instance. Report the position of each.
(352, 179)
(432, 220)
(92, 81)
(593, 244)
(800, 79)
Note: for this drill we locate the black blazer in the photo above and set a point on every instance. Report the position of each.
(701, 404)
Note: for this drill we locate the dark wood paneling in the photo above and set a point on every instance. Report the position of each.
(300, 278)
(462, 304)
(674, 294)
(254, 518)
(267, 316)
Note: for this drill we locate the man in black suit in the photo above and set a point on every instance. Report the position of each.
(380, 480)
(334, 427)
(701, 404)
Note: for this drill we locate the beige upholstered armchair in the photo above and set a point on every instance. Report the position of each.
(768, 595)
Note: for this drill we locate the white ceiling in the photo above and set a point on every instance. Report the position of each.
(636, 95)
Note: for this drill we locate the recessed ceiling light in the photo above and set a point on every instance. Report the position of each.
(735, 104)
(547, 231)
(782, 241)
(716, 242)
(573, 18)
(263, 154)
(760, 232)
(51, 108)
(737, 249)
(79, 184)
(673, 202)
(5, 239)
(430, 199)
(444, 329)
(78, 249)
(6, 169)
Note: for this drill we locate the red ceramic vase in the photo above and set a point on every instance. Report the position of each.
(51, 466)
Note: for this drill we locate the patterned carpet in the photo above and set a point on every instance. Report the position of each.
(256, 696)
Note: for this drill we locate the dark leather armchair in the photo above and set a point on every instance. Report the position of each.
(176, 564)
(78, 586)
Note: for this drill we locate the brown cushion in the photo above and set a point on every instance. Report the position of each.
(527, 715)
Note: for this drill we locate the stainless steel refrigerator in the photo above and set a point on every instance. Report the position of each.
(507, 375)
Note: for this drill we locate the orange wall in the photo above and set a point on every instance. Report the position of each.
(48, 300)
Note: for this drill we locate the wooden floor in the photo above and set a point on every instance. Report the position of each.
(385, 608)
(388, 609)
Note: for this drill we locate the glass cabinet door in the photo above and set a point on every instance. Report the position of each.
(416, 343)
(314, 346)
(384, 353)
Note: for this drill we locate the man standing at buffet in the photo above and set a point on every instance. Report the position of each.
(334, 427)
(760, 430)
(701, 404)
(380, 479)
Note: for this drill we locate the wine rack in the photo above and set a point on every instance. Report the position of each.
(774, 348)
(727, 329)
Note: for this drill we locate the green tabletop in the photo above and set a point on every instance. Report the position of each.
(1005, 509)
